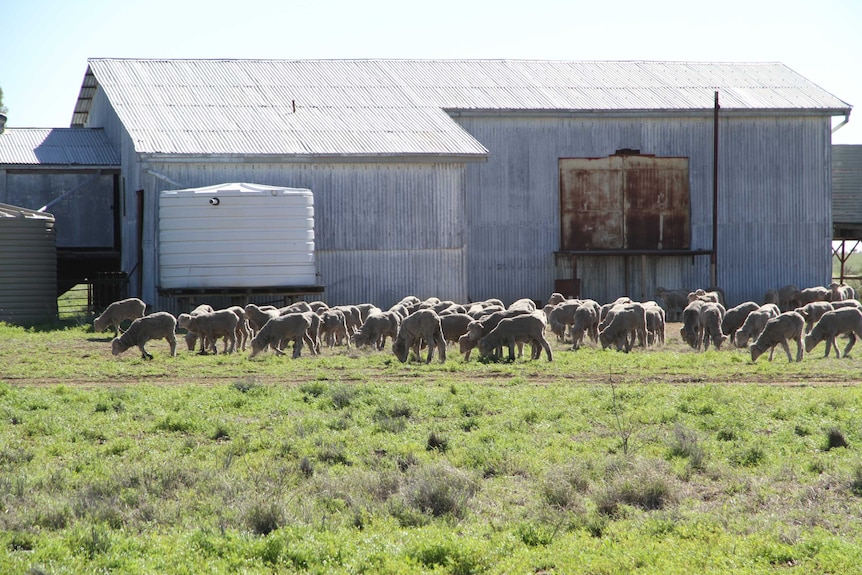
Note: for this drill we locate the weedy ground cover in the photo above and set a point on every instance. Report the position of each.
(658, 461)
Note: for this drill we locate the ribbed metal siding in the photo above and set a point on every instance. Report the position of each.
(847, 184)
(774, 213)
(383, 231)
(28, 266)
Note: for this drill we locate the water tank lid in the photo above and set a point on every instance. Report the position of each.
(9, 211)
(238, 187)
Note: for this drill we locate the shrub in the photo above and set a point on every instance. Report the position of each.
(264, 517)
(835, 438)
(439, 490)
(856, 481)
(638, 485)
(563, 484)
(437, 443)
(686, 443)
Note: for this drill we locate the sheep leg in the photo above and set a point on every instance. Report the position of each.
(830, 343)
(297, 347)
(310, 342)
(852, 337)
(772, 351)
(786, 350)
(277, 350)
(172, 341)
(144, 353)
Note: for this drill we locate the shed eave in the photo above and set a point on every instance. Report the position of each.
(642, 112)
(170, 158)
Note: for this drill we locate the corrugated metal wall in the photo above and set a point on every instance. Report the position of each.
(774, 203)
(28, 266)
(383, 231)
(847, 185)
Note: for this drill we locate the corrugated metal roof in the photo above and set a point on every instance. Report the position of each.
(380, 107)
(56, 146)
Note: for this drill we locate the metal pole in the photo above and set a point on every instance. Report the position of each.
(713, 275)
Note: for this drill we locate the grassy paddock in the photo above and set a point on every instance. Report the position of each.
(659, 461)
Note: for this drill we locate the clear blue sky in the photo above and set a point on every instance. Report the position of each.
(44, 44)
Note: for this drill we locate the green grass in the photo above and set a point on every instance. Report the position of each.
(651, 462)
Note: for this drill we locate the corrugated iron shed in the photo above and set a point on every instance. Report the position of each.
(847, 191)
(56, 146)
(402, 107)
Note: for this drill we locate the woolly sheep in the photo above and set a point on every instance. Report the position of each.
(183, 322)
(846, 303)
(477, 329)
(711, 317)
(283, 328)
(333, 327)
(754, 324)
(556, 298)
(674, 302)
(525, 328)
(352, 318)
(810, 294)
(318, 306)
(638, 330)
(454, 325)
(586, 322)
(212, 326)
(525, 304)
(692, 324)
(257, 316)
(735, 317)
(366, 309)
(779, 330)
(154, 326)
(562, 317)
(377, 328)
(126, 309)
(424, 325)
(655, 323)
(845, 321)
(812, 312)
(785, 297)
(622, 325)
(295, 307)
(841, 292)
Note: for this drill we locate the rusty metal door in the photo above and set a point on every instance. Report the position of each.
(624, 202)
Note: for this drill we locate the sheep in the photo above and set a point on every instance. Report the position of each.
(778, 330)
(812, 312)
(638, 329)
(692, 324)
(563, 316)
(524, 304)
(841, 292)
(366, 309)
(674, 302)
(754, 324)
(377, 328)
(771, 296)
(130, 308)
(352, 317)
(154, 326)
(211, 326)
(422, 325)
(454, 325)
(585, 321)
(400, 309)
(283, 328)
(844, 321)
(810, 294)
(735, 317)
(846, 303)
(477, 329)
(556, 298)
(183, 322)
(524, 328)
(476, 311)
(622, 325)
(257, 316)
(785, 297)
(711, 318)
(295, 307)
(333, 327)
(318, 306)
(655, 323)
(605, 310)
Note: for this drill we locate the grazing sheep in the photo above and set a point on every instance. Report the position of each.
(126, 309)
(846, 303)
(424, 325)
(812, 312)
(711, 318)
(810, 294)
(655, 323)
(333, 327)
(692, 324)
(476, 311)
(778, 330)
(735, 317)
(845, 321)
(586, 322)
(525, 304)
(376, 328)
(280, 329)
(352, 317)
(754, 324)
(154, 326)
(622, 325)
(400, 309)
(525, 328)
(183, 322)
(674, 302)
(211, 326)
(556, 298)
(366, 309)
(477, 329)
(454, 325)
(295, 307)
(257, 316)
(841, 292)
(562, 317)
(785, 297)
(318, 306)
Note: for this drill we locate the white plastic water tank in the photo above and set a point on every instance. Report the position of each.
(236, 235)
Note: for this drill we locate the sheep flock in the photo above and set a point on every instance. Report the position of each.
(420, 329)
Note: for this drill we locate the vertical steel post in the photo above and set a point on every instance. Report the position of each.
(713, 275)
